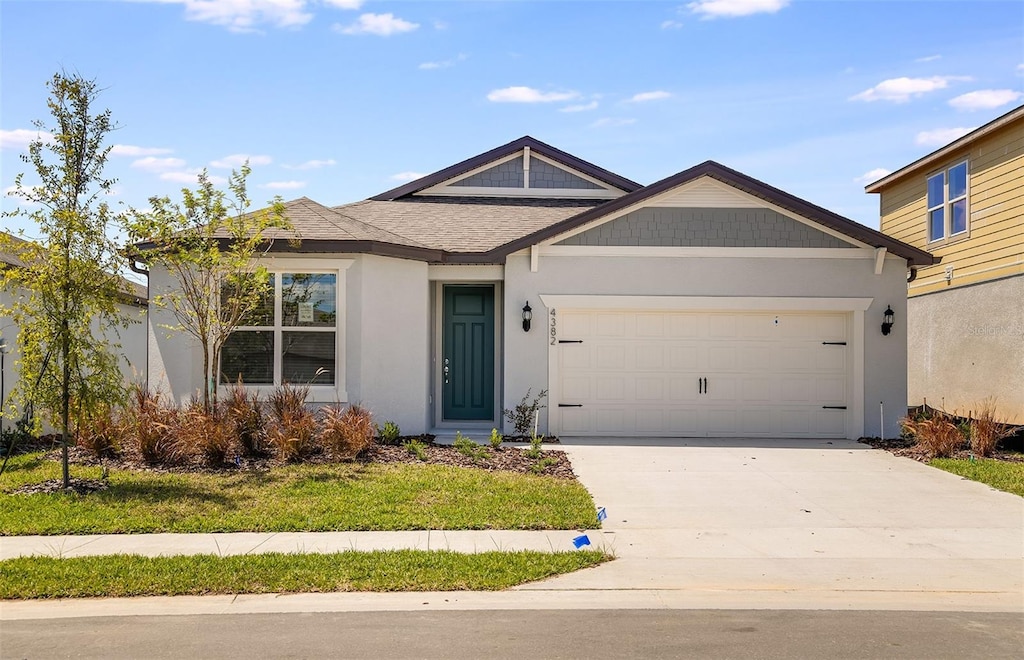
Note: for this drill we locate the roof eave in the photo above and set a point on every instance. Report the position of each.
(943, 152)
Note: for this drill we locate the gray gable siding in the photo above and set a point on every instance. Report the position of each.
(506, 175)
(545, 175)
(712, 227)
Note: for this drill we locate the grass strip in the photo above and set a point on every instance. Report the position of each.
(1001, 475)
(336, 497)
(391, 570)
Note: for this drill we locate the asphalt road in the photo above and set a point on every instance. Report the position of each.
(526, 635)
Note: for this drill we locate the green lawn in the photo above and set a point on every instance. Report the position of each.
(395, 570)
(1001, 475)
(338, 497)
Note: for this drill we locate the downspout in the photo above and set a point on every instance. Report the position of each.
(911, 274)
(135, 268)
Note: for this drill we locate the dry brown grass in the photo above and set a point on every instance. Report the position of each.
(246, 419)
(151, 429)
(206, 433)
(292, 428)
(347, 433)
(986, 431)
(937, 434)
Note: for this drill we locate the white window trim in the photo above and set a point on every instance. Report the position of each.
(947, 205)
(336, 393)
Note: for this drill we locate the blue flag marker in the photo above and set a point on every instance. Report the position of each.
(581, 541)
(601, 514)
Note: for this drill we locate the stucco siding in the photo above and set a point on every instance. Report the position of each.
(706, 227)
(967, 344)
(884, 364)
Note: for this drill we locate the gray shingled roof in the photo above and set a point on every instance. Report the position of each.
(457, 224)
(313, 221)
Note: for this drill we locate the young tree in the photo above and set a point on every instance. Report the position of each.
(65, 292)
(211, 244)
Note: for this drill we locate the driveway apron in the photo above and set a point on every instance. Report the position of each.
(796, 523)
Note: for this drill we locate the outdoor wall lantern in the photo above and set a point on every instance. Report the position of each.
(887, 320)
(527, 316)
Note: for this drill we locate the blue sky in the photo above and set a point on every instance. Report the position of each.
(338, 100)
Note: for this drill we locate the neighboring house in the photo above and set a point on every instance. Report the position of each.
(706, 304)
(133, 304)
(965, 315)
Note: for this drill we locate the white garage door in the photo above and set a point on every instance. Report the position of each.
(744, 374)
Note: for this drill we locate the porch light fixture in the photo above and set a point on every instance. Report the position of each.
(887, 320)
(527, 316)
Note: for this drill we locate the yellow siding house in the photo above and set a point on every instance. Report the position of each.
(964, 203)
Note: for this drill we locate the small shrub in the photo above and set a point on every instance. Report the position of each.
(101, 432)
(496, 439)
(416, 448)
(986, 432)
(938, 435)
(152, 428)
(468, 448)
(535, 451)
(523, 415)
(388, 434)
(206, 433)
(246, 419)
(292, 430)
(346, 433)
(542, 464)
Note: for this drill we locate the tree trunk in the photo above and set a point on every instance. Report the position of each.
(66, 408)
(206, 377)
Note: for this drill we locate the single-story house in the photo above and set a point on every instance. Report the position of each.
(705, 304)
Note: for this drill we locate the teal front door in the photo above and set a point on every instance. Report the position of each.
(467, 360)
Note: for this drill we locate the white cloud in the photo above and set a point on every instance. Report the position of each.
(135, 151)
(154, 164)
(734, 8)
(872, 175)
(311, 164)
(528, 95)
(191, 176)
(985, 99)
(442, 64)
(940, 136)
(20, 138)
(344, 4)
(582, 107)
(650, 96)
(671, 25)
(407, 176)
(928, 58)
(285, 185)
(245, 15)
(382, 25)
(237, 160)
(610, 122)
(901, 90)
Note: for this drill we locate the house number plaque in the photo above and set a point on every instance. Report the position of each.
(554, 326)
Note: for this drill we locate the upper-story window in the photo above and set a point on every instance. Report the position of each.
(947, 202)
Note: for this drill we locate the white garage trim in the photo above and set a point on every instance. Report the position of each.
(854, 307)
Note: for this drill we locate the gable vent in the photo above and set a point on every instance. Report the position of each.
(707, 194)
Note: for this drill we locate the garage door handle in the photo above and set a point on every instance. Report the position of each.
(834, 407)
(833, 343)
(570, 341)
(570, 405)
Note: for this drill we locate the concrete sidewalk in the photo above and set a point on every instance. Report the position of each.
(244, 543)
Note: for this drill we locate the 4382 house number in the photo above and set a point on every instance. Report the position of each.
(554, 326)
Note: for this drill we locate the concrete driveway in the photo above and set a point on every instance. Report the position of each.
(796, 524)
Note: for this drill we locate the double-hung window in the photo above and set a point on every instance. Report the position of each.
(291, 338)
(947, 203)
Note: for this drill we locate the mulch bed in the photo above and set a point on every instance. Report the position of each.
(504, 459)
(910, 449)
(77, 486)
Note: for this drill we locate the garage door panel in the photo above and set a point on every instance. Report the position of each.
(754, 374)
